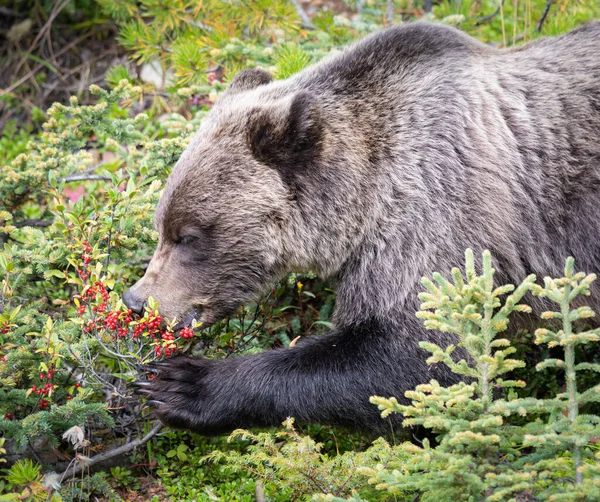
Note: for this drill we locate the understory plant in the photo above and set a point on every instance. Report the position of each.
(494, 445)
(490, 444)
(296, 463)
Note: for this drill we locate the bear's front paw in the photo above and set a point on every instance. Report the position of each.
(180, 393)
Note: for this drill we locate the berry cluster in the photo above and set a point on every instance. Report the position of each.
(186, 333)
(86, 258)
(120, 323)
(45, 390)
(48, 375)
(151, 325)
(117, 322)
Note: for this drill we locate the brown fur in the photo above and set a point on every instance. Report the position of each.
(374, 167)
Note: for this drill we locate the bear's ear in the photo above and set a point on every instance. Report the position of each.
(287, 136)
(249, 79)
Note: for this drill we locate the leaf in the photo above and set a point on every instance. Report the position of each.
(54, 273)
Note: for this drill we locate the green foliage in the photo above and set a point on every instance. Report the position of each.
(198, 41)
(76, 207)
(481, 455)
(295, 465)
(192, 476)
(193, 37)
(124, 478)
(92, 487)
(514, 21)
(290, 59)
(24, 472)
(24, 476)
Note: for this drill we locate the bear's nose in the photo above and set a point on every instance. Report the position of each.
(133, 302)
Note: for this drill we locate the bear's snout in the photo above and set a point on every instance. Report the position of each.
(133, 301)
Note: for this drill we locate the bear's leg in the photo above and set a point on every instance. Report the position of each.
(324, 379)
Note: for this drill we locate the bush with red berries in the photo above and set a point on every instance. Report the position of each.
(76, 229)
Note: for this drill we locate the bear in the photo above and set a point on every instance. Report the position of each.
(372, 168)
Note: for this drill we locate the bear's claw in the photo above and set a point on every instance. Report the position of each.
(154, 403)
(142, 384)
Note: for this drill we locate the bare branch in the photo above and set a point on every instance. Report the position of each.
(544, 14)
(82, 463)
(306, 23)
(33, 223)
(260, 492)
(389, 11)
(83, 177)
(483, 19)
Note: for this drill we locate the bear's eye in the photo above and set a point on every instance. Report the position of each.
(186, 240)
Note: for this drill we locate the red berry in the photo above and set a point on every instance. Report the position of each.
(186, 333)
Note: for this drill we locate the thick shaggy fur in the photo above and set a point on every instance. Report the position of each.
(374, 167)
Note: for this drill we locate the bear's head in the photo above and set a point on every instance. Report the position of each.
(239, 209)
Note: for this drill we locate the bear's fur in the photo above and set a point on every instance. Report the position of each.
(374, 167)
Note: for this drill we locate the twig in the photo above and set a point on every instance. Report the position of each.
(33, 223)
(85, 462)
(39, 66)
(428, 6)
(483, 19)
(46, 27)
(389, 11)
(544, 14)
(306, 23)
(260, 492)
(83, 177)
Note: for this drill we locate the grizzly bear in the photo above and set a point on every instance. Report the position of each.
(373, 168)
